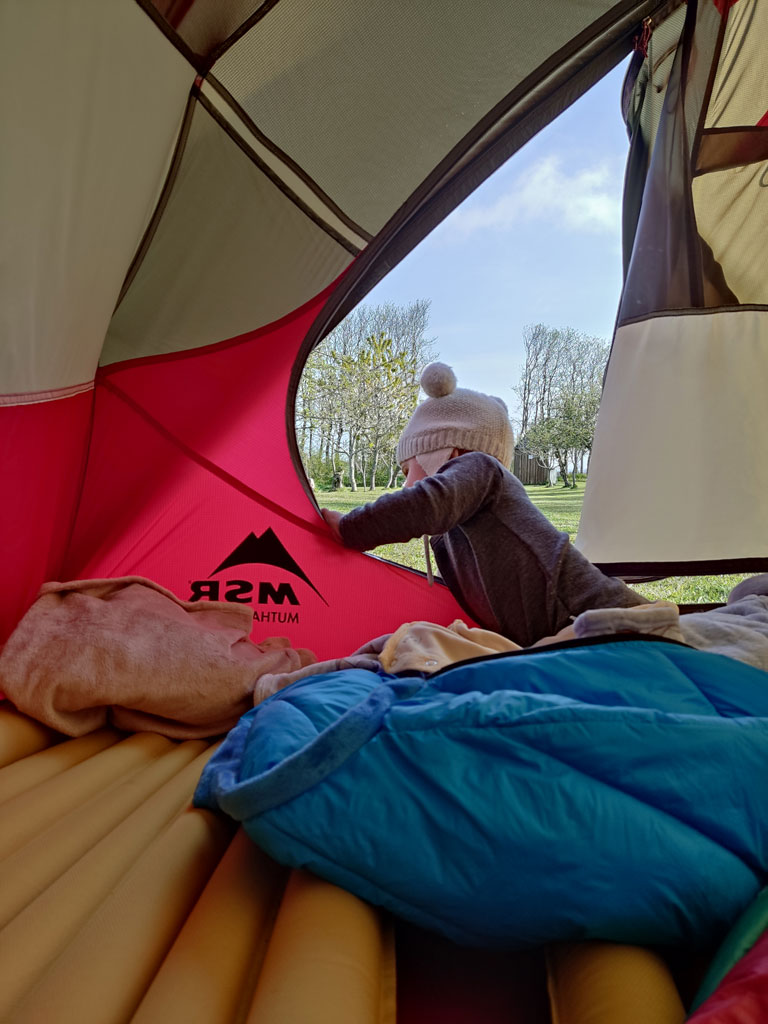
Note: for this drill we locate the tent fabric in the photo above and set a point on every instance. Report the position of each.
(696, 280)
(747, 937)
(368, 86)
(89, 156)
(208, 26)
(190, 499)
(717, 358)
(440, 981)
(643, 96)
(219, 269)
(588, 791)
(202, 172)
(45, 446)
(742, 996)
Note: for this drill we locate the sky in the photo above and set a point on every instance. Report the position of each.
(538, 242)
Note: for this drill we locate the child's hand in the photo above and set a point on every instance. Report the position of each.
(332, 519)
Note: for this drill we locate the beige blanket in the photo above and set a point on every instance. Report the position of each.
(419, 646)
(128, 651)
(428, 646)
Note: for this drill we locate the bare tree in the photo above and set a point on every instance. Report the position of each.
(559, 392)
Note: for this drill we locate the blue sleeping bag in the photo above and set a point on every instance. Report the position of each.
(612, 789)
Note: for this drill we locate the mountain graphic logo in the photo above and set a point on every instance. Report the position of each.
(267, 549)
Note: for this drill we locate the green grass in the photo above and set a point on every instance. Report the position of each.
(562, 506)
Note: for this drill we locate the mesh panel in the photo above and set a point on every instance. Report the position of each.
(731, 213)
(369, 97)
(731, 204)
(642, 109)
(650, 89)
(666, 269)
(740, 93)
(205, 24)
(231, 253)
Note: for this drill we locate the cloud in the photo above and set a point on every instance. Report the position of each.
(588, 199)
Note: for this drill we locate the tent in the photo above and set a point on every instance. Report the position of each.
(196, 191)
(680, 408)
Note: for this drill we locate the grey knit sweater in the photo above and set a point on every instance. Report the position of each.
(509, 568)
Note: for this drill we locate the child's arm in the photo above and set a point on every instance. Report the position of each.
(432, 506)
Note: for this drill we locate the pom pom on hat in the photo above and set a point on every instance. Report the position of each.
(454, 417)
(438, 380)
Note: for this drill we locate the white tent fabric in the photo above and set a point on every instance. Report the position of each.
(84, 159)
(353, 103)
(678, 479)
(691, 377)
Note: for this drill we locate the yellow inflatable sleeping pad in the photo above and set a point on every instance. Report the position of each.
(120, 901)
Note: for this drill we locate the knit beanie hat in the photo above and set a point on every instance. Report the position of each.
(452, 417)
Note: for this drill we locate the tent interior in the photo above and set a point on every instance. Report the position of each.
(195, 192)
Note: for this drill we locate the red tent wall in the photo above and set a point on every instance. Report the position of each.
(44, 446)
(190, 482)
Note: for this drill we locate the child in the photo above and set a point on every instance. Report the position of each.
(506, 564)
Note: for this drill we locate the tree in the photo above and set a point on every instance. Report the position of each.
(358, 389)
(559, 392)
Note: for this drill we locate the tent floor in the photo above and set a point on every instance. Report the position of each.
(439, 983)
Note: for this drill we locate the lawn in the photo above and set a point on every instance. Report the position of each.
(562, 507)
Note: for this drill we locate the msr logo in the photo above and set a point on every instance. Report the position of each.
(266, 550)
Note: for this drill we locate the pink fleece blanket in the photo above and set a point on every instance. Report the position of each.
(130, 652)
